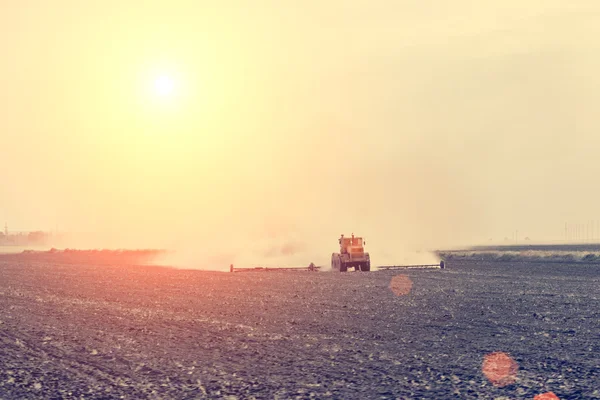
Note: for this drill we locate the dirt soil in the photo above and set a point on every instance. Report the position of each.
(115, 331)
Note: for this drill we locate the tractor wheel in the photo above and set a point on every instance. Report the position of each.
(367, 264)
(343, 267)
(336, 262)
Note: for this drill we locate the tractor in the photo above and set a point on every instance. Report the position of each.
(352, 255)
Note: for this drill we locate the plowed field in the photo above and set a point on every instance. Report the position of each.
(71, 330)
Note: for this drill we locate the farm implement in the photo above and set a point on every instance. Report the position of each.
(311, 267)
(352, 255)
(422, 266)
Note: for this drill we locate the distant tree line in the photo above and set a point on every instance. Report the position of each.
(35, 238)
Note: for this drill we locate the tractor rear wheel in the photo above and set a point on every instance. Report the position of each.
(337, 263)
(366, 267)
(343, 267)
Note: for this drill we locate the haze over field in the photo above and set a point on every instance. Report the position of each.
(247, 133)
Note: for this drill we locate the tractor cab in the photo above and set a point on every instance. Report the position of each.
(352, 245)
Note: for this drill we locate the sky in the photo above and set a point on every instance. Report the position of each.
(417, 125)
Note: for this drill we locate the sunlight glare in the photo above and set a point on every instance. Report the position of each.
(164, 86)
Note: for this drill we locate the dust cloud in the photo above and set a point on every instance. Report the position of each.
(415, 127)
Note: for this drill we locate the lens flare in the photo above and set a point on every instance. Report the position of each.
(500, 369)
(546, 396)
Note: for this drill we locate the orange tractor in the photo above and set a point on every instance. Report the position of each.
(352, 255)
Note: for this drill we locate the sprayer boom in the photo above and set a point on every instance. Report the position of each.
(391, 267)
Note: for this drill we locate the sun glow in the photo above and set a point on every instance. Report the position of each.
(164, 86)
(164, 90)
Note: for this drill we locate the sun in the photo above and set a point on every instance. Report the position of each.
(165, 90)
(164, 86)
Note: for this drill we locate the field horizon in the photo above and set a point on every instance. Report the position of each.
(552, 253)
